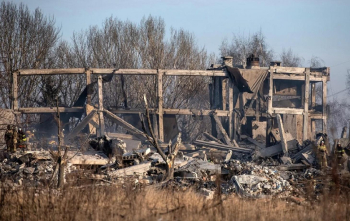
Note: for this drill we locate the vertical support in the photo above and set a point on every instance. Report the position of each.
(313, 105)
(313, 95)
(100, 106)
(214, 132)
(217, 98)
(155, 125)
(235, 95)
(15, 91)
(283, 135)
(269, 109)
(257, 107)
(269, 101)
(230, 108)
(160, 105)
(324, 104)
(88, 86)
(235, 128)
(306, 104)
(224, 93)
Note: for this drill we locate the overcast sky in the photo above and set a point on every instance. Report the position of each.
(310, 28)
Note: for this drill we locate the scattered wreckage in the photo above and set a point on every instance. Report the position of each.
(249, 170)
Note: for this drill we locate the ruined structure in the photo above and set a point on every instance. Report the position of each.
(244, 100)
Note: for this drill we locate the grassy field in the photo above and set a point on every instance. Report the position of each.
(151, 203)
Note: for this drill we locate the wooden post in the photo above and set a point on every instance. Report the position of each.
(217, 98)
(324, 104)
(282, 135)
(235, 125)
(269, 101)
(224, 93)
(269, 109)
(155, 125)
(235, 95)
(313, 104)
(313, 95)
(306, 104)
(212, 107)
(15, 91)
(100, 106)
(230, 108)
(160, 105)
(89, 86)
(222, 130)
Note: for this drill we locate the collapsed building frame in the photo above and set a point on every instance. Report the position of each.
(226, 100)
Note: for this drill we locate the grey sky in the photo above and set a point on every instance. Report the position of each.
(311, 28)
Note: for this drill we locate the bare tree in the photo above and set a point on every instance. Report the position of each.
(316, 62)
(172, 149)
(289, 59)
(26, 40)
(241, 47)
(122, 44)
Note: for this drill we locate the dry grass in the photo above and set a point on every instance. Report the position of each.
(130, 203)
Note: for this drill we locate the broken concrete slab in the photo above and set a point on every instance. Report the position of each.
(201, 168)
(135, 154)
(286, 160)
(157, 158)
(296, 157)
(277, 149)
(139, 169)
(298, 166)
(308, 157)
(249, 180)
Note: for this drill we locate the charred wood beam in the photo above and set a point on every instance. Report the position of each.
(131, 129)
(282, 135)
(221, 146)
(212, 138)
(222, 130)
(42, 110)
(81, 125)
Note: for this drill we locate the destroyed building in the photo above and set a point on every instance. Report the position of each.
(256, 114)
(244, 100)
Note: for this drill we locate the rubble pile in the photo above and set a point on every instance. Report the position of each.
(237, 170)
(25, 169)
(256, 180)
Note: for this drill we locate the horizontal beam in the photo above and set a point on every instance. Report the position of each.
(294, 70)
(313, 77)
(220, 113)
(43, 110)
(123, 136)
(51, 71)
(213, 73)
(276, 110)
(124, 71)
(169, 72)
